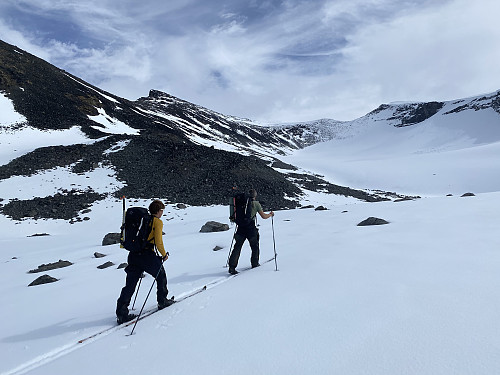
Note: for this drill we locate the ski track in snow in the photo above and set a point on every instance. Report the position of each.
(66, 349)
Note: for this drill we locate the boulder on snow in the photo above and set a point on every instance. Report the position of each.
(217, 248)
(105, 265)
(111, 239)
(51, 266)
(45, 279)
(468, 195)
(320, 208)
(99, 255)
(372, 221)
(39, 235)
(214, 226)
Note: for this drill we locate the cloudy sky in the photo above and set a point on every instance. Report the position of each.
(268, 60)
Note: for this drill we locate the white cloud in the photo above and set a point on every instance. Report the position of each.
(305, 60)
(441, 53)
(22, 40)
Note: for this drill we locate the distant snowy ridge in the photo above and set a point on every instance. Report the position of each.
(405, 114)
(209, 128)
(476, 117)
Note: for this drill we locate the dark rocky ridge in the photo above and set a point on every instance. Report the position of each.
(192, 119)
(477, 104)
(410, 114)
(315, 183)
(53, 99)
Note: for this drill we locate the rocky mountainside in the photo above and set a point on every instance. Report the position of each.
(206, 127)
(158, 146)
(407, 114)
(53, 99)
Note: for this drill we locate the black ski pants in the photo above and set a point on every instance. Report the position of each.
(252, 235)
(138, 263)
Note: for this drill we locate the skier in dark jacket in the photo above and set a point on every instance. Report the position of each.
(248, 232)
(147, 260)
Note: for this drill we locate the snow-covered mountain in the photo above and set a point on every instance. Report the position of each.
(161, 145)
(385, 149)
(156, 146)
(48, 98)
(208, 128)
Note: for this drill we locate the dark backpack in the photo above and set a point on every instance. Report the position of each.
(240, 209)
(136, 229)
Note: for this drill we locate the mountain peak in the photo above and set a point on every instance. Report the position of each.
(157, 94)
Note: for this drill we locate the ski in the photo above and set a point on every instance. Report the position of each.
(144, 314)
(250, 268)
(153, 310)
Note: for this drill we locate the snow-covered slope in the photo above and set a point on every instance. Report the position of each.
(418, 295)
(9, 114)
(453, 150)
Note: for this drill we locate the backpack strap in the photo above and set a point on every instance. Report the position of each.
(154, 239)
(247, 206)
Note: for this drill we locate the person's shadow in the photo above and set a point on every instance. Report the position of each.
(58, 329)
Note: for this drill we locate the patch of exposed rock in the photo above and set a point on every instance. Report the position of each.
(64, 205)
(45, 279)
(372, 221)
(214, 226)
(111, 239)
(51, 266)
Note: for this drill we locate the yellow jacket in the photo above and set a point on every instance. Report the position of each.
(157, 235)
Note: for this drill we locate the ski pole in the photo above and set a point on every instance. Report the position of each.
(150, 289)
(122, 228)
(274, 244)
(231, 247)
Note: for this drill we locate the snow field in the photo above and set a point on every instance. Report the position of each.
(418, 295)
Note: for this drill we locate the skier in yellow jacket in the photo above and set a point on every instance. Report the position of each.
(147, 260)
